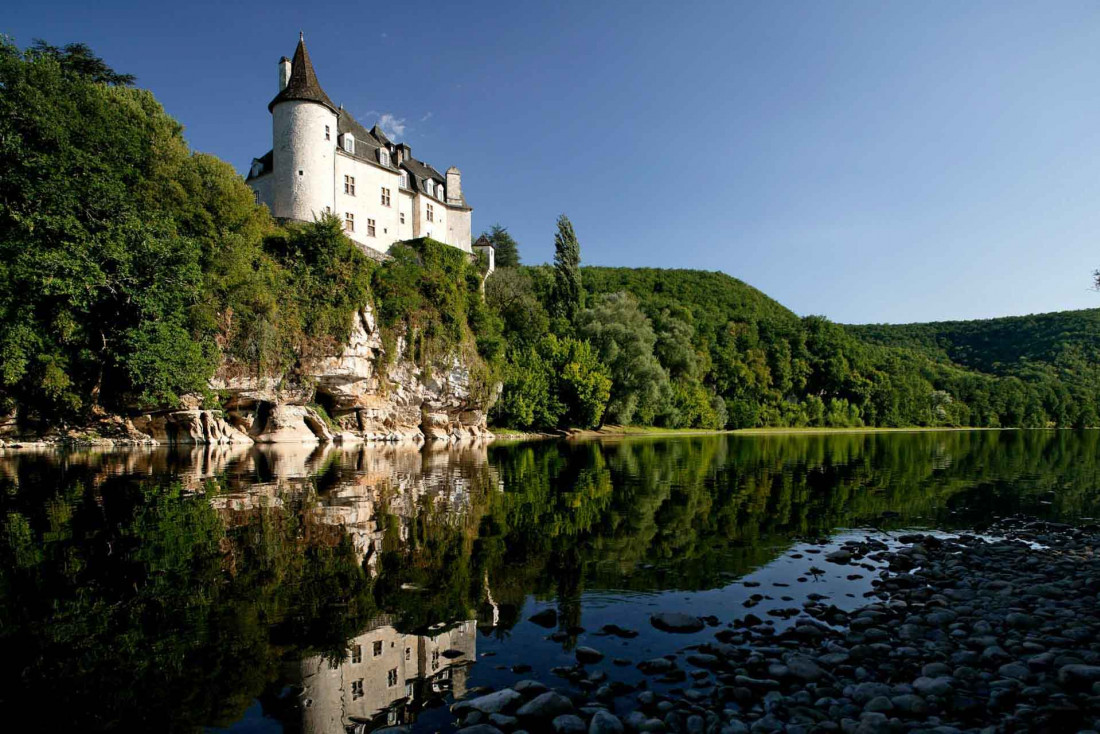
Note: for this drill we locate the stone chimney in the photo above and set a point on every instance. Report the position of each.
(284, 72)
(454, 186)
(402, 153)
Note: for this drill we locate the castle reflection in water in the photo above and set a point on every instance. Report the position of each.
(387, 679)
(387, 676)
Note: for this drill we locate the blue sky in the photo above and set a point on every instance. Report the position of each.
(866, 161)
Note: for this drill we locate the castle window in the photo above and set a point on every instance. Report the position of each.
(408, 653)
(357, 654)
(431, 213)
(357, 689)
(435, 659)
(385, 196)
(328, 133)
(370, 228)
(349, 142)
(349, 226)
(391, 678)
(404, 179)
(384, 157)
(349, 185)
(402, 217)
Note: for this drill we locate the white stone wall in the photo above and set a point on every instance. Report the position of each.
(406, 205)
(437, 228)
(303, 159)
(264, 187)
(367, 202)
(458, 229)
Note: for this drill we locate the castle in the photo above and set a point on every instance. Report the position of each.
(322, 160)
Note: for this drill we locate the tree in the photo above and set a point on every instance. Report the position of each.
(624, 340)
(78, 59)
(568, 295)
(511, 294)
(507, 252)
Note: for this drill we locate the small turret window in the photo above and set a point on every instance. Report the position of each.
(349, 142)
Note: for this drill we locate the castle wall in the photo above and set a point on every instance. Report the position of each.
(458, 230)
(264, 188)
(437, 227)
(367, 202)
(303, 159)
(406, 205)
(449, 226)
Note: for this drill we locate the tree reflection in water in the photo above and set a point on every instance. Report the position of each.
(168, 590)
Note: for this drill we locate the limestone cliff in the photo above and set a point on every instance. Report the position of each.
(400, 402)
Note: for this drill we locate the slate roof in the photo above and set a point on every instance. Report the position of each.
(303, 82)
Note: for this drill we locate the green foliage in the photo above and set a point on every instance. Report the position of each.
(560, 383)
(430, 293)
(567, 296)
(327, 280)
(130, 268)
(77, 59)
(510, 293)
(624, 339)
(506, 250)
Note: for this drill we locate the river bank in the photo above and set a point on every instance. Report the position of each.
(962, 633)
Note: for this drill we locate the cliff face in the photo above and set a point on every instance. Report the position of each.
(402, 402)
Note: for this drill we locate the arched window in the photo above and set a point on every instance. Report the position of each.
(349, 142)
(439, 191)
(383, 156)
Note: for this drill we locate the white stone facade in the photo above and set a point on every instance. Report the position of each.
(322, 160)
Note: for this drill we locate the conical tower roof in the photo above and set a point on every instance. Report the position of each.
(303, 84)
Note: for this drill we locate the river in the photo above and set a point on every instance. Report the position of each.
(328, 589)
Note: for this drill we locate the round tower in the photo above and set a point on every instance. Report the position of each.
(304, 131)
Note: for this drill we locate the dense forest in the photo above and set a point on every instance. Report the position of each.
(132, 269)
(703, 349)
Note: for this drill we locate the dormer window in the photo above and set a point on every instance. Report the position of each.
(349, 142)
(257, 168)
(383, 156)
(404, 179)
(439, 191)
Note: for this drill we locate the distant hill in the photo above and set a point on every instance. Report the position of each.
(999, 346)
(773, 367)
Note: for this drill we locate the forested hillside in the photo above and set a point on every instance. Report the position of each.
(1004, 346)
(715, 341)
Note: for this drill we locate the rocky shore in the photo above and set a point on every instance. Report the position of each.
(961, 633)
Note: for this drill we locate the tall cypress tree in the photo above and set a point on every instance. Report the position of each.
(568, 293)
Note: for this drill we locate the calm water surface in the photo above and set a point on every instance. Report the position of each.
(341, 590)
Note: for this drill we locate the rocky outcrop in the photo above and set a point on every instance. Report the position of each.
(363, 401)
(190, 427)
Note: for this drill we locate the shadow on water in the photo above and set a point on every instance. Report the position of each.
(306, 588)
